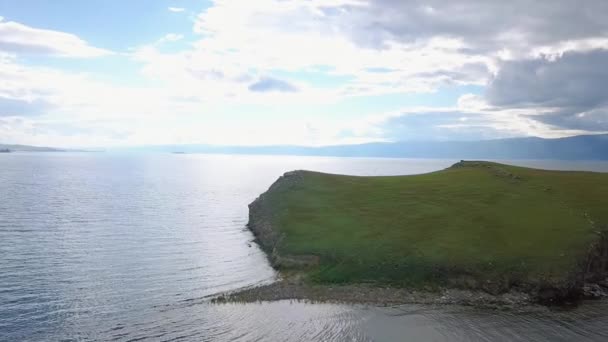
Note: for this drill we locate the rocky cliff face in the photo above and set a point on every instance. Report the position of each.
(261, 218)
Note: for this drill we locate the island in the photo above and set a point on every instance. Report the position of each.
(476, 232)
(5, 150)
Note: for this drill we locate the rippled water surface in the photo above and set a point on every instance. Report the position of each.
(98, 247)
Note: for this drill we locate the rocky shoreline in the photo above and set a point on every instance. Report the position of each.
(368, 294)
(375, 295)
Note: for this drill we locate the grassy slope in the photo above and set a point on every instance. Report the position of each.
(488, 221)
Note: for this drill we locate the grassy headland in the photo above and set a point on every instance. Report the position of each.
(475, 225)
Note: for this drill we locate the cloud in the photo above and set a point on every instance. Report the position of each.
(317, 34)
(22, 107)
(228, 55)
(176, 9)
(543, 66)
(213, 77)
(592, 120)
(428, 124)
(58, 133)
(419, 47)
(471, 119)
(484, 26)
(573, 85)
(170, 37)
(35, 90)
(267, 84)
(576, 79)
(469, 73)
(21, 39)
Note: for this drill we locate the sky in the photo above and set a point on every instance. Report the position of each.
(110, 73)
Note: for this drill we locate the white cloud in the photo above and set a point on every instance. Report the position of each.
(472, 118)
(372, 47)
(230, 54)
(21, 39)
(212, 77)
(170, 37)
(294, 36)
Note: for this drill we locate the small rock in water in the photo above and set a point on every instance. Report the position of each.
(594, 291)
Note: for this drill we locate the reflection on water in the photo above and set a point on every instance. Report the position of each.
(103, 247)
(452, 323)
(295, 321)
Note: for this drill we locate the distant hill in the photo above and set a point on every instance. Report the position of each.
(27, 148)
(584, 147)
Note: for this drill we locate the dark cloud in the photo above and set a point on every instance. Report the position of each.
(483, 25)
(20, 107)
(573, 84)
(595, 120)
(574, 80)
(268, 84)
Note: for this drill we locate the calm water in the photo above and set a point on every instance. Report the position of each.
(97, 247)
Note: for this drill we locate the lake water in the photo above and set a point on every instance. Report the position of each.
(100, 247)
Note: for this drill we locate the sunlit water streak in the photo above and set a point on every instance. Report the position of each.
(99, 247)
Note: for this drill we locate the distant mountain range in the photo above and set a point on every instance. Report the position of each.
(583, 147)
(27, 148)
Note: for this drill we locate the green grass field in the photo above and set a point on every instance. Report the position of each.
(473, 223)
